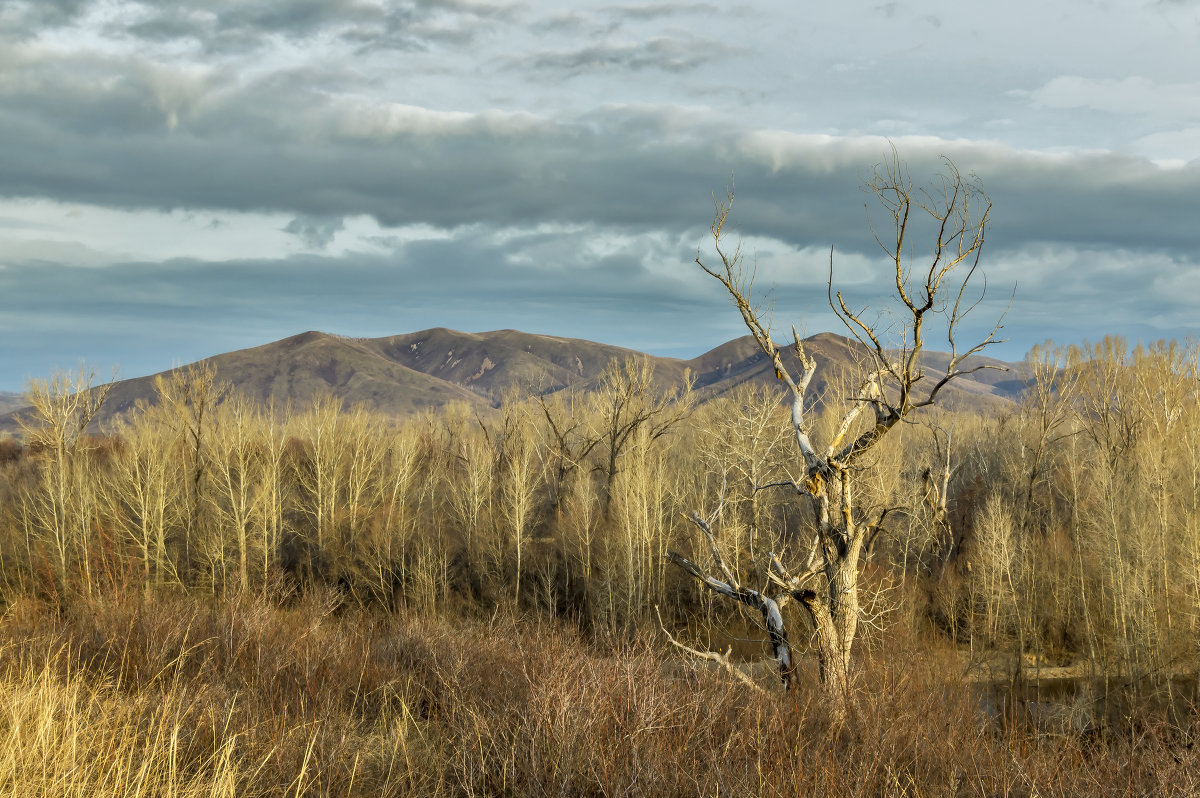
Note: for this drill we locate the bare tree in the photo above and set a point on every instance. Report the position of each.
(146, 482)
(570, 443)
(63, 505)
(517, 477)
(935, 294)
(239, 473)
(188, 397)
(626, 402)
(319, 475)
(469, 494)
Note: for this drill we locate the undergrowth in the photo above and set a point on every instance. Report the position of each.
(171, 695)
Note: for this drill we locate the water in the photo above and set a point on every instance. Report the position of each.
(1084, 705)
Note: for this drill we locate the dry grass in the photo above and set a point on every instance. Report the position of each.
(70, 736)
(177, 696)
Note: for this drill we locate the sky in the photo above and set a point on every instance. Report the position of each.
(180, 179)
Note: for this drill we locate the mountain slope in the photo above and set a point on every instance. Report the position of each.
(403, 374)
(10, 401)
(303, 367)
(492, 362)
(840, 362)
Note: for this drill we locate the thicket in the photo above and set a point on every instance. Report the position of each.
(115, 696)
(1063, 529)
(1068, 527)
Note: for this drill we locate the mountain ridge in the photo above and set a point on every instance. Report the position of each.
(403, 374)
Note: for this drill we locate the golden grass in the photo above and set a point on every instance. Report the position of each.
(176, 696)
(74, 736)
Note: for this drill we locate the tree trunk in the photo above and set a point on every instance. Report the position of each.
(834, 616)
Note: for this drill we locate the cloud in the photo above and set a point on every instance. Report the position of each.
(316, 232)
(680, 52)
(1130, 95)
(1173, 147)
(24, 18)
(306, 137)
(572, 22)
(48, 250)
(648, 11)
(282, 144)
(230, 27)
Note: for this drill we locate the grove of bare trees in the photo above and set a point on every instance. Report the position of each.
(1066, 528)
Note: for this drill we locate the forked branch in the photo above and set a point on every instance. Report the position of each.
(955, 214)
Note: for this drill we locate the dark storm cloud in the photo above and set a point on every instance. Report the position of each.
(129, 134)
(1085, 200)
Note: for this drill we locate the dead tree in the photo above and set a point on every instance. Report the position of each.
(626, 401)
(936, 295)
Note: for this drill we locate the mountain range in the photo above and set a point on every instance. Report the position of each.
(403, 374)
(10, 401)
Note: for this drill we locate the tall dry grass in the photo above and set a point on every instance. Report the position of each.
(183, 696)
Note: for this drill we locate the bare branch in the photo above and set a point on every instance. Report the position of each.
(931, 296)
(767, 606)
(716, 552)
(711, 656)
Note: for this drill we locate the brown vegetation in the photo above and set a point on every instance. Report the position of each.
(447, 570)
(301, 695)
(294, 601)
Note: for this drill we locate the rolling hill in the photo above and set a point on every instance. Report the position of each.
(403, 374)
(10, 401)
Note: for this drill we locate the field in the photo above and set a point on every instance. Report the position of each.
(172, 695)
